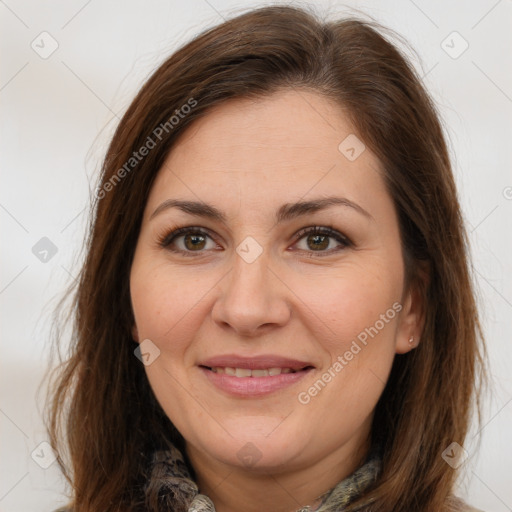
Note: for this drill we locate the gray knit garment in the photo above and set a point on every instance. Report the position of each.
(172, 487)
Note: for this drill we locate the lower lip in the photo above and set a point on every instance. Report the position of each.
(253, 386)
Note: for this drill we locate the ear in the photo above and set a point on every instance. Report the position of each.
(135, 333)
(413, 314)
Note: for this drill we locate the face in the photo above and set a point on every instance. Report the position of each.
(269, 342)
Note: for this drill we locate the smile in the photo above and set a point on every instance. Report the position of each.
(252, 383)
(247, 372)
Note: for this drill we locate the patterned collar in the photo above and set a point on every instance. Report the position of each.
(171, 485)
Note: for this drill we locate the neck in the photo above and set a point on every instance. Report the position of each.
(233, 488)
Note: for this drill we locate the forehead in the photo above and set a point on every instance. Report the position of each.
(269, 150)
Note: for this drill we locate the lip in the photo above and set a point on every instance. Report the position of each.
(254, 363)
(254, 387)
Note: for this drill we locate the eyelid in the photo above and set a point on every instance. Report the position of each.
(326, 230)
(165, 238)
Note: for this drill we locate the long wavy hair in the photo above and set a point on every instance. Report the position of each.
(102, 417)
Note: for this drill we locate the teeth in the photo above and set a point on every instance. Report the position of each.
(246, 372)
(259, 373)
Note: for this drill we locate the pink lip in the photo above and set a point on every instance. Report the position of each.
(253, 387)
(254, 363)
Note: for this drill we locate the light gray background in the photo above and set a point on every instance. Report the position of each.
(59, 112)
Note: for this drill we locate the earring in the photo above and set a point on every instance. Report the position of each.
(411, 340)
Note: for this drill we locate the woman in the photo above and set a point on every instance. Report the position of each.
(275, 312)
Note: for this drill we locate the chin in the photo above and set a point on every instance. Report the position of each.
(257, 444)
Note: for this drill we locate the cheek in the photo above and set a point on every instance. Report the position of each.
(356, 328)
(167, 303)
(360, 302)
(357, 317)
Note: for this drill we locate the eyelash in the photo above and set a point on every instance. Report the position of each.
(167, 238)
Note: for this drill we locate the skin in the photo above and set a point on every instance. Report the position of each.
(247, 158)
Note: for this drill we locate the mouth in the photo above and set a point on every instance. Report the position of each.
(255, 372)
(253, 377)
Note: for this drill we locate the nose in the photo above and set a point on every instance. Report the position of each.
(253, 299)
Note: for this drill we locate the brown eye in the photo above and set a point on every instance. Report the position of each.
(194, 241)
(187, 241)
(318, 240)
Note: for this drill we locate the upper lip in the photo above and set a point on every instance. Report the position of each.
(255, 362)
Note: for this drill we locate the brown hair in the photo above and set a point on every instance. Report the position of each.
(101, 410)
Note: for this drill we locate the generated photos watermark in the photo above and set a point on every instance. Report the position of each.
(151, 142)
(343, 360)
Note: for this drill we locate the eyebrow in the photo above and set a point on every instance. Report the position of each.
(286, 212)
